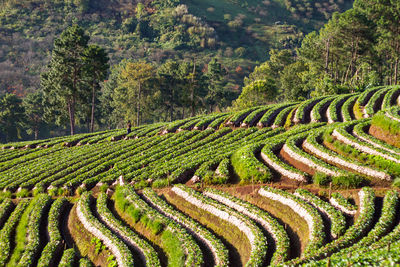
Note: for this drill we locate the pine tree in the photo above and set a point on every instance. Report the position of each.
(64, 80)
(96, 68)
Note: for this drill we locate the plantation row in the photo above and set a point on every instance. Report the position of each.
(128, 228)
(338, 108)
(348, 154)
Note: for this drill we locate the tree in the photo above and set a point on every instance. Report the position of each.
(96, 69)
(194, 85)
(386, 15)
(111, 113)
(63, 82)
(292, 85)
(216, 90)
(34, 110)
(273, 67)
(257, 93)
(134, 76)
(12, 117)
(169, 82)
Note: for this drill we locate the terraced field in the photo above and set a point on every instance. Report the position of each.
(311, 183)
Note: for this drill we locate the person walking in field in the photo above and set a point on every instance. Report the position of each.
(128, 127)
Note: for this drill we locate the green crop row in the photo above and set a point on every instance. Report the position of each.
(304, 109)
(360, 131)
(254, 116)
(269, 116)
(338, 221)
(383, 226)
(53, 228)
(205, 121)
(222, 172)
(367, 94)
(318, 110)
(218, 249)
(8, 229)
(388, 121)
(179, 245)
(353, 233)
(146, 251)
(316, 229)
(6, 207)
(375, 102)
(334, 109)
(382, 158)
(280, 118)
(248, 167)
(390, 98)
(291, 147)
(282, 242)
(256, 237)
(30, 250)
(343, 202)
(68, 258)
(99, 230)
(343, 179)
(57, 167)
(238, 117)
(269, 156)
(176, 164)
(347, 108)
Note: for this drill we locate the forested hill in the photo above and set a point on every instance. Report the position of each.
(240, 33)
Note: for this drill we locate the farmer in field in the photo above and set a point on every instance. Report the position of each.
(128, 127)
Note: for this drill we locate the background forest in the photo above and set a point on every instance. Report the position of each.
(165, 60)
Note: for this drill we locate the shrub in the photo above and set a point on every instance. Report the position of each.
(103, 188)
(22, 193)
(160, 183)
(321, 179)
(348, 181)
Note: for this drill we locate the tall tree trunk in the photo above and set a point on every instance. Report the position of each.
(93, 103)
(327, 56)
(71, 111)
(192, 91)
(396, 70)
(36, 131)
(138, 105)
(171, 110)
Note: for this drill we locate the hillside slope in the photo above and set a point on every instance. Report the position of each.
(321, 140)
(270, 185)
(240, 33)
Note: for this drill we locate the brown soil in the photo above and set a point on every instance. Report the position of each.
(391, 139)
(82, 238)
(283, 179)
(296, 163)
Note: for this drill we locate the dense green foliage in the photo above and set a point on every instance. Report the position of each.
(356, 49)
(153, 29)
